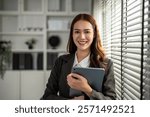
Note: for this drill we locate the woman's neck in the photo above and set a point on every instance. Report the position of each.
(81, 55)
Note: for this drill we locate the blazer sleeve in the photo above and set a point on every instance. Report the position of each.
(51, 92)
(108, 90)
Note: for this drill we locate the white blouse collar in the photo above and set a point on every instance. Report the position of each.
(84, 63)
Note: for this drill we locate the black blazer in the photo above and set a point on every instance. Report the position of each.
(58, 89)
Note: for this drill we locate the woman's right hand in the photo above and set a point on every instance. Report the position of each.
(80, 83)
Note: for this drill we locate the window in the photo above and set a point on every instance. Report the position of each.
(126, 37)
(146, 52)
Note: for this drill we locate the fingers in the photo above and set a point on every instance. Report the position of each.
(77, 76)
(74, 76)
(72, 82)
(77, 81)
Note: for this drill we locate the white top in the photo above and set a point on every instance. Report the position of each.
(84, 63)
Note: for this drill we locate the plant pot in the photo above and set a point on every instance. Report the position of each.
(30, 47)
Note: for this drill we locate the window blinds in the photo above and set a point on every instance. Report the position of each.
(146, 56)
(131, 48)
(126, 38)
(116, 43)
(107, 27)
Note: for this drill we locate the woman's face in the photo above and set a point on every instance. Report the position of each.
(83, 35)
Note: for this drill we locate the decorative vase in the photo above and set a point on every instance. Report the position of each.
(54, 41)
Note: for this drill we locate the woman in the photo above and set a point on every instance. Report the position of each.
(85, 50)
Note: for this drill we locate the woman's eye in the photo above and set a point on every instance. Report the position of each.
(87, 32)
(76, 32)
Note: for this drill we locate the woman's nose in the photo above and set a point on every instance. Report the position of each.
(82, 35)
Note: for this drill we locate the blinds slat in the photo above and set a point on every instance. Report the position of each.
(132, 40)
(126, 97)
(117, 38)
(132, 46)
(131, 84)
(131, 73)
(131, 78)
(131, 35)
(117, 69)
(133, 68)
(133, 51)
(118, 94)
(131, 56)
(126, 6)
(130, 25)
(133, 88)
(133, 7)
(131, 19)
(132, 62)
(128, 15)
(130, 95)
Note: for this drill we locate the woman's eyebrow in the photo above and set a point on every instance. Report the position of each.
(83, 29)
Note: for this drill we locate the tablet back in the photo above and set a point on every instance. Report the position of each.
(94, 77)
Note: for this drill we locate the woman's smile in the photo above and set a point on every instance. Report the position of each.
(82, 42)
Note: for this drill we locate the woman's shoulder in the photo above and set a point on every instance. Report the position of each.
(108, 60)
(107, 63)
(66, 57)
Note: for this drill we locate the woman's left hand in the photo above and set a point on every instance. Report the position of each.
(78, 82)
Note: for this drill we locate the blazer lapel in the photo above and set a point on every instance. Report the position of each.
(68, 63)
(66, 69)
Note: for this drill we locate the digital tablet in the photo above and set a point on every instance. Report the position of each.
(94, 77)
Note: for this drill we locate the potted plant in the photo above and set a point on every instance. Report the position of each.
(30, 43)
(5, 56)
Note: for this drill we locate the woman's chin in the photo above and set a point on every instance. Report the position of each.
(83, 48)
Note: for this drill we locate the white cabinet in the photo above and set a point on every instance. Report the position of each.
(32, 85)
(24, 85)
(10, 86)
(24, 20)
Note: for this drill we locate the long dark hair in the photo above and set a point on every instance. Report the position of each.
(97, 55)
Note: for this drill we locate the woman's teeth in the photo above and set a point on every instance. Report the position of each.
(82, 42)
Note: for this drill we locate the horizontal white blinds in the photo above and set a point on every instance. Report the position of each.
(125, 45)
(112, 38)
(107, 26)
(116, 43)
(146, 49)
(131, 48)
(126, 38)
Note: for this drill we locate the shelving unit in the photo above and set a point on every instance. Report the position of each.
(22, 20)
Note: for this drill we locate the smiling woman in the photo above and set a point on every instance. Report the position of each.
(85, 50)
(83, 36)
